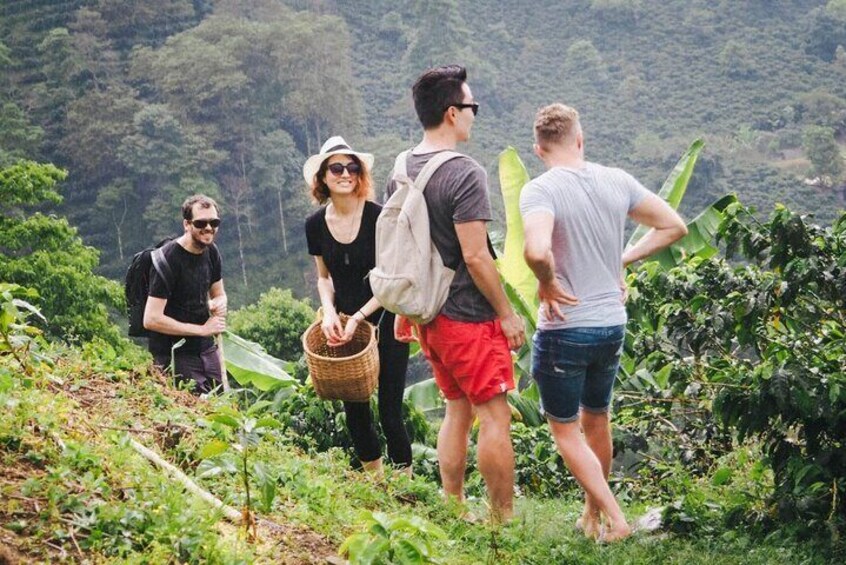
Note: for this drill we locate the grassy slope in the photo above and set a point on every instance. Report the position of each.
(97, 499)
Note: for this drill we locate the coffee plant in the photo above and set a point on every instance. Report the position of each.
(754, 348)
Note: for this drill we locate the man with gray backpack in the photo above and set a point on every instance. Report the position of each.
(441, 275)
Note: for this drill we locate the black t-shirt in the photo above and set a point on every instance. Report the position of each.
(188, 300)
(348, 263)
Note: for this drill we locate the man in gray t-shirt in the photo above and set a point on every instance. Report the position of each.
(574, 216)
(589, 206)
(468, 342)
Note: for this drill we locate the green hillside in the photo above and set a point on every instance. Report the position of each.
(729, 409)
(146, 101)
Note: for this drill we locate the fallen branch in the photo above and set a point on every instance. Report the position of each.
(127, 429)
(230, 513)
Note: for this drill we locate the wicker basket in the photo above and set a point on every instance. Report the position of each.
(347, 372)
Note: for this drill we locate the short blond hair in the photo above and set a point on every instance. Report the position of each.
(556, 124)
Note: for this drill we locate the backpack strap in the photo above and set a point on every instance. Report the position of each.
(433, 165)
(400, 168)
(161, 266)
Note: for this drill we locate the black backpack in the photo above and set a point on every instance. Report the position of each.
(136, 286)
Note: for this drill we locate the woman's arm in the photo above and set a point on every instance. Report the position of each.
(331, 325)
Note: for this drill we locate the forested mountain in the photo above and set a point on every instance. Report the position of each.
(146, 101)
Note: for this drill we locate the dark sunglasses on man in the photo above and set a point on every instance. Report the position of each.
(201, 224)
(473, 105)
(337, 169)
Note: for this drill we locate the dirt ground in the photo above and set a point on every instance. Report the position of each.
(102, 402)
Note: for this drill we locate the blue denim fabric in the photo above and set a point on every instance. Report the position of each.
(576, 367)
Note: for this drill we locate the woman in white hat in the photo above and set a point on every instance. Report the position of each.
(342, 238)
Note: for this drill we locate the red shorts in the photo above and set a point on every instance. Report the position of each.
(469, 359)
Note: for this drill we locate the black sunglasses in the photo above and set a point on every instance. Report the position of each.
(201, 224)
(473, 105)
(337, 169)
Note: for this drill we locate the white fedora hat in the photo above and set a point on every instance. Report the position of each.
(335, 145)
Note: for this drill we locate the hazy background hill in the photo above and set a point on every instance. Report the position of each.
(146, 101)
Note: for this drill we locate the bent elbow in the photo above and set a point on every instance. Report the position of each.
(681, 231)
(473, 261)
(534, 257)
(149, 322)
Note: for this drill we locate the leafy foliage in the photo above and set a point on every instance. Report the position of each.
(399, 539)
(247, 429)
(762, 344)
(249, 364)
(18, 338)
(45, 253)
(823, 152)
(276, 321)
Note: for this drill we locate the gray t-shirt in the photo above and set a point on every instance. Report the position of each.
(590, 206)
(456, 193)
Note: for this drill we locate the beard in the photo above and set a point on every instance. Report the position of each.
(198, 242)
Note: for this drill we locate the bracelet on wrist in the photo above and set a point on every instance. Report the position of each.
(362, 316)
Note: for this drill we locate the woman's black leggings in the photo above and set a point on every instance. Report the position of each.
(393, 363)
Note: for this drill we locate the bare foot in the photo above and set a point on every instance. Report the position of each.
(592, 528)
(501, 515)
(616, 533)
(589, 524)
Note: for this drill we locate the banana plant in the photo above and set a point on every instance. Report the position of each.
(675, 186)
(250, 365)
(426, 397)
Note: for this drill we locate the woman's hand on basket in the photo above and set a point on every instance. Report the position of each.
(349, 330)
(332, 329)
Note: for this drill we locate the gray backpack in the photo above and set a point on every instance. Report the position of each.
(410, 279)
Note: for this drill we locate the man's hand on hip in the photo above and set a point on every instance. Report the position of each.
(552, 295)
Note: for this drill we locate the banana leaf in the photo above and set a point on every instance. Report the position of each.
(673, 189)
(250, 364)
(425, 396)
(700, 235)
(513, 269)
(527, 408)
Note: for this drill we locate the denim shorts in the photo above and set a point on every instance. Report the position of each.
(576, 367)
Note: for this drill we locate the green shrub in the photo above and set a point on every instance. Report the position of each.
(45, 253)
(762, 345)
(276, 322)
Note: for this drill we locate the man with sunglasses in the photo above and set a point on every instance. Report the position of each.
(187, 300)
(469, 342)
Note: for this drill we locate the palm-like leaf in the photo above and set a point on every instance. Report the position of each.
(673, 189)
(513, 176)
(700, 235)
(250, 364)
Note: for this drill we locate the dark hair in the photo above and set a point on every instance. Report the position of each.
(435, 91)
(201, 199)
(320, 191)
